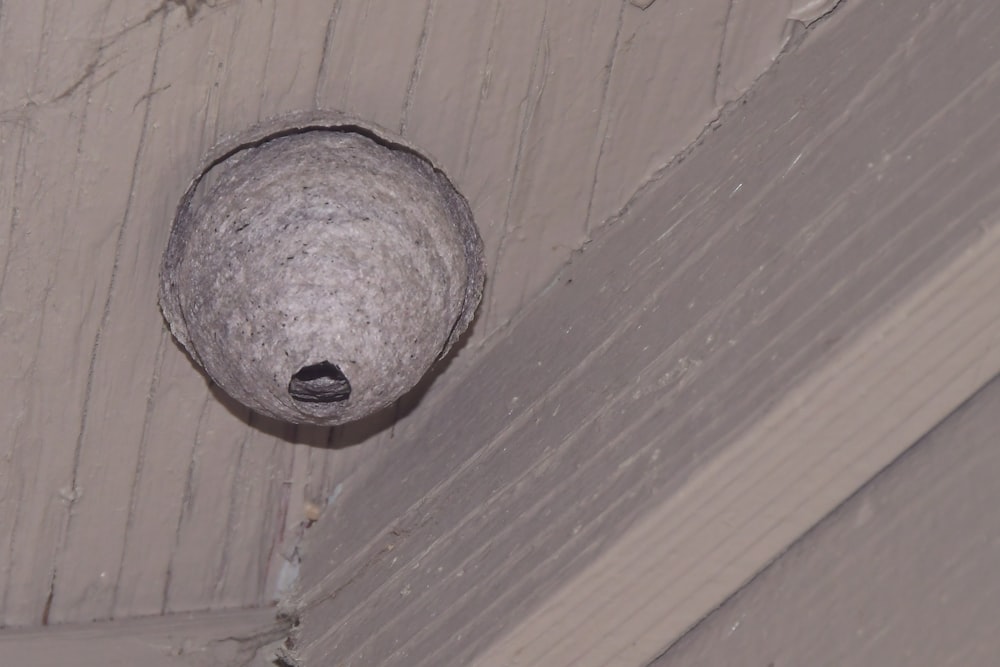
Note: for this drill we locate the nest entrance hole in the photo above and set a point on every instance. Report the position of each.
(319, 383)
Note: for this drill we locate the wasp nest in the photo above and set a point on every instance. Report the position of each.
(318, 267)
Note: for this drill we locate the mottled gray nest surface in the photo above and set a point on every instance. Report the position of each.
(318, 267)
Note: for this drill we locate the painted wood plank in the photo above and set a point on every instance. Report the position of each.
(161, 487)
(19, 461)
(743, 55)
(747, 506)
(552, 187)
(120, 374)
(684, 403)
(68, 286)
(199, 555)
(139, 491)
(226, 639)
(372, 50)
(447, 92)
(902, 573)
(91, 587)
(510, 80)
(658, 93)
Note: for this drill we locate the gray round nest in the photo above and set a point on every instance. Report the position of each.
(318, 267)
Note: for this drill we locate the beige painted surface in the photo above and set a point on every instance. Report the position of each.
(127, 487)
(903, 573)
(792, 306)
(244, 638)
(740, 510)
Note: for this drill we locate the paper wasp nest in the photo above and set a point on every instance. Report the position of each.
(318, 267)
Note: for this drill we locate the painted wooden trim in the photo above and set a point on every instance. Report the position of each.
(904, 572)
(843, 425)
(244, 638)
(789, 308)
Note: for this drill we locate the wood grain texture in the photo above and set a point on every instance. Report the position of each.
(737, 513)
(791, 307)
(904, 572)
(127, 485)
(213, 639)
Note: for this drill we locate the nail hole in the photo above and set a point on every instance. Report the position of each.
(320, 383)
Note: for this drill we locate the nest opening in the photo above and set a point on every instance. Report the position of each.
(319, 383)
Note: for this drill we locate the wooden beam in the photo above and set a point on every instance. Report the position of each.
(243, 638)
(789, 308)
(129, 485)
(903, 573)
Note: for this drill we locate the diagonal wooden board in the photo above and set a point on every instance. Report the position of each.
(903, 573)
(239, 638)
(128, 485)
(792, 306)
(842, 426)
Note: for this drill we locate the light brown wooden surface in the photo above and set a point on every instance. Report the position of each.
(798, 301)
(127, 487)
(903, 573)
(210, 639)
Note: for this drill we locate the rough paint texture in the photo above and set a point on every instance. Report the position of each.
(903, 573)
(796, 302)
(322, 273)
(128, 486)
